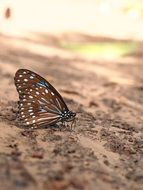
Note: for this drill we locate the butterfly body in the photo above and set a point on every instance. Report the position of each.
(39, 102)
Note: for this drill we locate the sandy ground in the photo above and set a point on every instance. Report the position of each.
(106, 148)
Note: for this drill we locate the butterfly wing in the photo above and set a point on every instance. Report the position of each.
(39, 101)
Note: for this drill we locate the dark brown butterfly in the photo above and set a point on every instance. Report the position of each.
(39, 102)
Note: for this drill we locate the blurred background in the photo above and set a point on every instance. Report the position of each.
(76, 23)
(59, 39)
(92, 53)
(103, 35)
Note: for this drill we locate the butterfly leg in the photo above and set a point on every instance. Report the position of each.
(68, 127)
(73, 124)
(64, 127)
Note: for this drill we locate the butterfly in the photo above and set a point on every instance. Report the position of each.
(39, 102)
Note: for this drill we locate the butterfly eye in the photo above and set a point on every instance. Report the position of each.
(40, 103)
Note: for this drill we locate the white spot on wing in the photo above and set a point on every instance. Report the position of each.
(46, 91)
(37, 93)
(52, 93)
(25, 80)
(33, 121)
(31, 77)
(30, 96)
(20, 75)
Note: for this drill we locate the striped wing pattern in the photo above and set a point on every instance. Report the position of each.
(39, 102)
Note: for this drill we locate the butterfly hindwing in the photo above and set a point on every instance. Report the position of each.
(39, 101)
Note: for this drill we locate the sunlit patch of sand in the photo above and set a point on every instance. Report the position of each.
(58, 16)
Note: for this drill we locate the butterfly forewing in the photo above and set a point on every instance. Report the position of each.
(39, 101)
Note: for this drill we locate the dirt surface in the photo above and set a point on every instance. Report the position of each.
(104, 151)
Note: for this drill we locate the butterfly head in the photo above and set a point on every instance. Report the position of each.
(68, 116)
